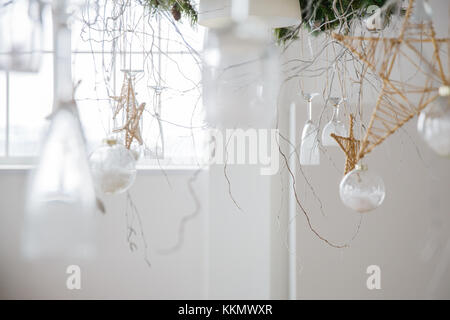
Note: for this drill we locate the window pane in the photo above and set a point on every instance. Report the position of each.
(93, 94)
(180, 36)
(47, 44)
(86, 39)
(101, 77)
(31, 98)
(2, 113)
(182, 110)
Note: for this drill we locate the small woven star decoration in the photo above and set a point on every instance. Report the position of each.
(127, 103)
(350, 146)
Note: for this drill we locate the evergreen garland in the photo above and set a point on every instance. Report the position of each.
(319, 15)
(316, 14)
(177, 8)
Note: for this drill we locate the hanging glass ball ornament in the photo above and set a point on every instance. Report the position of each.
(434, 123)
(113, 168)
(362, 190)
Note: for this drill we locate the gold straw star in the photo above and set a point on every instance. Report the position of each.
(350, 146)
(399, 101)
(127, 103)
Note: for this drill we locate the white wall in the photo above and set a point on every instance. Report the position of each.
(225, 254)
(115, 272)
(248, 257)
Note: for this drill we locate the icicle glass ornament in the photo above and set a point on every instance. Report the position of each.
(309, 146)
(61, 198)
(113, 168)
(362, 190)
(335, 125)
(21, 35)
(434, 123)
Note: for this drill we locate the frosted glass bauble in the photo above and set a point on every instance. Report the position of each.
(434, 125)
(113, 168)
(362, 190)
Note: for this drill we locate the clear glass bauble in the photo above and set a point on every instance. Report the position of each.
(239, 60)
(362, 190)
(21, 35)
(113, 168)
(434, 125)
(61, 203)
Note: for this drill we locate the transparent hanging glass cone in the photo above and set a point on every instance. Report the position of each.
(362, 190)
(434, 123)
(113, 168)
(237, 60)
(309, 146)
(20, 35)
(335, 125)
(61, 199)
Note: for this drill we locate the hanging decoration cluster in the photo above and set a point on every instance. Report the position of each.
(113, 164)
(425, 93)
(399, 101)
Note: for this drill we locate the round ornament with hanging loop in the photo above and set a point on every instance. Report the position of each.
(362, 190)
(113, 167)
(434, 123)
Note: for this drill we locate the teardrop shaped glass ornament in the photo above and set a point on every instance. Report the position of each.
(113, 168)
(309, 145)
(362, 190)
(335, 125)
(61, 199)
(434, 123)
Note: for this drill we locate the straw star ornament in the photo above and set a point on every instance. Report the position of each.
(350, 146)
(399, 100)
(128, 104)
